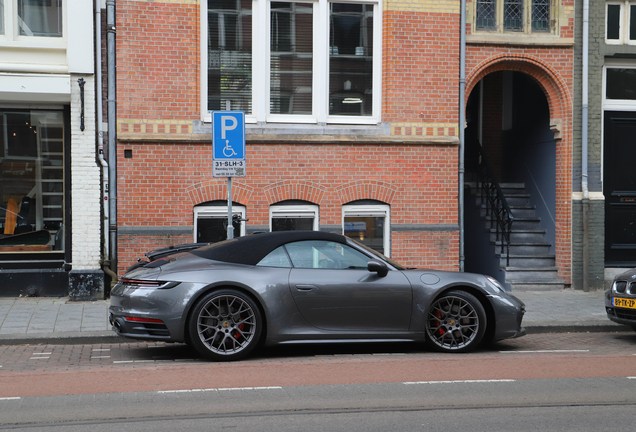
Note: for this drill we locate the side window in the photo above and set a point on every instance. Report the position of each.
(276, 258)
(325, 255)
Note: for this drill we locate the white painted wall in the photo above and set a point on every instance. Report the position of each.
(85, 180)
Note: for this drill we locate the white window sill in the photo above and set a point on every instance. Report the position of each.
(518, 39)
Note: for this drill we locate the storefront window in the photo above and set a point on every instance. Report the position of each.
(31, 181)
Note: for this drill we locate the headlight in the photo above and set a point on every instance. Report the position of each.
(495, 284)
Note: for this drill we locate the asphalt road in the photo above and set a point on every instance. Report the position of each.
(562, 382)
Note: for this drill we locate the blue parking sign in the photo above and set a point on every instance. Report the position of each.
(228, 143)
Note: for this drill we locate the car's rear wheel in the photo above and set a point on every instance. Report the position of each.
(225, 325)
(455, 322)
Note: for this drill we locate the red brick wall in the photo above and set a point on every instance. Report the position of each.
(161, 183)
(158, 58)
(421, 68)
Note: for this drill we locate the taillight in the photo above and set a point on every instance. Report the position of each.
(140, 283)
(144, 320)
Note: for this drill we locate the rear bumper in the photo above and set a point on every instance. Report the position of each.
(139, 330)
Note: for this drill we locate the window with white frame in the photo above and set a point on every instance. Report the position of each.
(31, 18)
(368, 222)
(293, 61)
(294, 216)
(210, 221)
(620, 85)
(522, 16)
(620, 24)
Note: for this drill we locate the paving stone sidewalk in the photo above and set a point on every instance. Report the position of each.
(58, 320)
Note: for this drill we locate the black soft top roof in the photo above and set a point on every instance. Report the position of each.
(251, 249)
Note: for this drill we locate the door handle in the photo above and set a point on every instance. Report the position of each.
(306, 287)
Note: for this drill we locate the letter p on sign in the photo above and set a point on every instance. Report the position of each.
(228, 123)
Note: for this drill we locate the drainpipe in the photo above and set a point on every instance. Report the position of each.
(100, 140)
(462, 121)
(112, 145)
(584, 144)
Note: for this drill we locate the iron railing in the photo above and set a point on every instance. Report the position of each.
(497, 207)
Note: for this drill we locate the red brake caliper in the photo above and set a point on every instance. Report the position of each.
(441, 331)
(241, 326)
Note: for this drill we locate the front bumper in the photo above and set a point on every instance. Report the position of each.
(619, 315)
(509, 311)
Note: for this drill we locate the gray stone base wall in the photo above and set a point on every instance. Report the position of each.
(596, 238)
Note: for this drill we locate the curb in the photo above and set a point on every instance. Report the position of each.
(110, 337)
(601, 328)
(64, 338)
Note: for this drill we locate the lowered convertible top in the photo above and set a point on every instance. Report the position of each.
(251, 249)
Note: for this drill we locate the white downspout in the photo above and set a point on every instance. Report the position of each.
(584, 145)
(100, 122)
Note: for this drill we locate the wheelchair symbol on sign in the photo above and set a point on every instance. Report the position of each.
(228, 151)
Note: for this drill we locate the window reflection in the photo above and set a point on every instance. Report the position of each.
(230, 55)
(40, 18)
(291, 63)
(350, 59)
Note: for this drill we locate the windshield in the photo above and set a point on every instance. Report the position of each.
(378, 254)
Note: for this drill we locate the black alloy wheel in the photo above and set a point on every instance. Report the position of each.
(455, 322)
(225, 325)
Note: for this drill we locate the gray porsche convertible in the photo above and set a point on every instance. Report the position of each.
(225, 298)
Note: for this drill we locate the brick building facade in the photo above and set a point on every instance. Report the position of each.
(373, 133)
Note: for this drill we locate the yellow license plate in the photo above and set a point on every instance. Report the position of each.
(625, 303)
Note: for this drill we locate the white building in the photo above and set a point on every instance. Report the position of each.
(50, 204)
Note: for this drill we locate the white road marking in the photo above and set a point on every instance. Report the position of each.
(461, 381)
(220, 389)
(98, 357)
(10, 398)
(631, 377)
(39, 358)
(544, 351)
(101, 349)
(42, 353)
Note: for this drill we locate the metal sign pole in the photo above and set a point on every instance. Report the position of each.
(230, 227)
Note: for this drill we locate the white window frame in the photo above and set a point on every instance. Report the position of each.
(218, 212)
(371, 210)
(12, 37)
(616, 104)
(527, 20)
(623, 30)
(320, 81)
(613, 104)
(298, 211)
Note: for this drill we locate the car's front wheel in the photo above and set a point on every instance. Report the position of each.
(225, 325)
(455, 322)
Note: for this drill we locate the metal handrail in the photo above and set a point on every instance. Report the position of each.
(496, 205)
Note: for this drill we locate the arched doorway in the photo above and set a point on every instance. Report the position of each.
(514, 123)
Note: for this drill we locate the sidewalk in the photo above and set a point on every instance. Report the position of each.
(35, 320)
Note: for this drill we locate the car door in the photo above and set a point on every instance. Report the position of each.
(333, 289)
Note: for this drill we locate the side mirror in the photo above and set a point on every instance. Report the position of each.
(377, 266)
